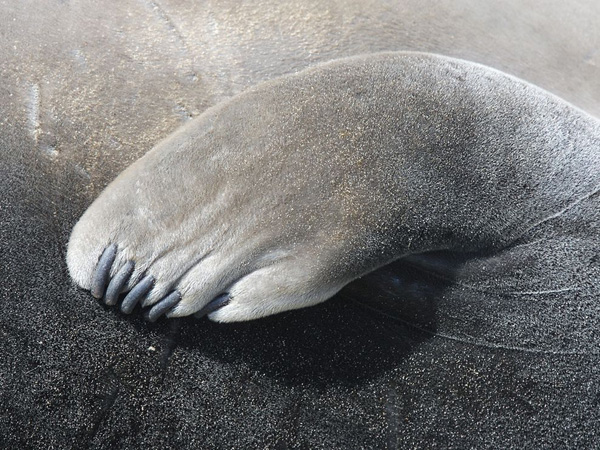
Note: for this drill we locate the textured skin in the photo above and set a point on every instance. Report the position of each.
(86, 89)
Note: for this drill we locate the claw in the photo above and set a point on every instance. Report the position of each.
(215, 304)
(136, 294)
(163, 306)
(116, 284)
(102, 272)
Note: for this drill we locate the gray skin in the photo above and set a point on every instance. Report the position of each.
(276, 199)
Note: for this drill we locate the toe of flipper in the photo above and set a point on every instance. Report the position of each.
(136, 294)
(102, 272)
(217, 303)
(115, 287)
(163, 306)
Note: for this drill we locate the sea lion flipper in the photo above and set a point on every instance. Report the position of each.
(291, 190)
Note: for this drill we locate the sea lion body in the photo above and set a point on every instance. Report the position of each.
(86, 90)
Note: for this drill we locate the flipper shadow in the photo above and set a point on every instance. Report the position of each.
(370, 327)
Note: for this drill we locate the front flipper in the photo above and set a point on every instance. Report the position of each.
(279, 197)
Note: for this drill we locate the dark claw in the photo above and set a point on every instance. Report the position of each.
(215, 304)
(116, 284)
(136, 294)
(163, 306)
(103, 271)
